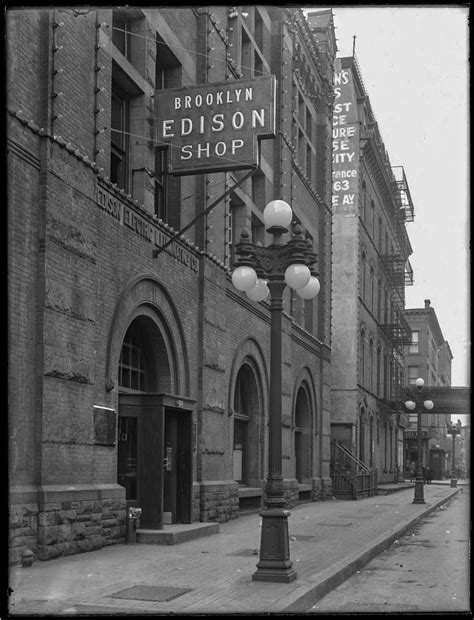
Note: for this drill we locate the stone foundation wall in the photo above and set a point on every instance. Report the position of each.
(219, 501)
(58, 521)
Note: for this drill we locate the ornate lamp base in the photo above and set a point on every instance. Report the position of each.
(419, 495)
(275, 564)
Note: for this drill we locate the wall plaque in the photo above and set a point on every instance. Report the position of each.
(104, 426)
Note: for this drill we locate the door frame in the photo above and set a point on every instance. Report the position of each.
(151, 411)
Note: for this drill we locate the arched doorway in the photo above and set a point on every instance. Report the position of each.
(302, 436)
(154, 458)
(362, 423)
(246, 409)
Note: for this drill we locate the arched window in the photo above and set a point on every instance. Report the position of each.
(372, 216)
(379, 300)
(246, 422)
(363, 268)
(362, 357)
(379, 361)
(362, 435)
(372, 289)
(302, 436)
(371, 363)
(364, 201)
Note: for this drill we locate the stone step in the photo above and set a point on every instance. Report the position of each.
(176, 533)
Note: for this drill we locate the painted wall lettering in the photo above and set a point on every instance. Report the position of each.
(345, 142)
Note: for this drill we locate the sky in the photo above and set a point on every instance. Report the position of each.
(415, 67)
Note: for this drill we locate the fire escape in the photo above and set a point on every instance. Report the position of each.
(397, 267)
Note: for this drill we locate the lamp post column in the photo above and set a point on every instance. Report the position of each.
(415, 405)
(275, 564)
(419, 497)
(282, 265)
(454, 480)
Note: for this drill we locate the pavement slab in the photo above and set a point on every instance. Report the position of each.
(213, 575)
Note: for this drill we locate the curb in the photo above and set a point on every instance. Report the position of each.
(332, 577)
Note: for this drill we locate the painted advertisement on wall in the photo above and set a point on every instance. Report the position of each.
(345, 143)
(215, 127)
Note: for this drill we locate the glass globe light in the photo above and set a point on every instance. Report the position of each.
(297, 276)
(310, 290)
(277, 213)
(409, 404)
(244, 278)
(419, 382)
(259, 292)
(428, 404)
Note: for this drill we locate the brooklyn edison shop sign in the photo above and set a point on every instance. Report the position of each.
(215, 127)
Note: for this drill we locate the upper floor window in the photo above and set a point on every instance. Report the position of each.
(121, 34)
(119, 152)
(414, 341)
(413, 374)
(363, 268)
(161, 184)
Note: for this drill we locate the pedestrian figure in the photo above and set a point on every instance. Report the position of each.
(429, 475)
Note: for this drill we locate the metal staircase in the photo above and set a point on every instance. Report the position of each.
(351, 478)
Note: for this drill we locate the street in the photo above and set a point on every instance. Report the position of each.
(427, 570)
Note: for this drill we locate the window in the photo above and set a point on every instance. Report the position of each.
(413, 374)
(371, 364)
(362, 357)
(372, 289)
(121, 34)
(161, 184)
(132, 362)
(119, 152)
(414, 342)
(378, 378)
(363, 276)
(379, 300)
(364, 201)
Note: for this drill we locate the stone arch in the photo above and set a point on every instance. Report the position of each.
(304, 424)
(249, 372)
(145, 296)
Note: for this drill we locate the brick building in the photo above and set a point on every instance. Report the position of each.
(371, 206)
(428, 356)
(139, 377)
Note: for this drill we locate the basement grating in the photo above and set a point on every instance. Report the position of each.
(159, 594)
(335, 524)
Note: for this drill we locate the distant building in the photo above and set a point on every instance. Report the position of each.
(429, 357)
(371, 206)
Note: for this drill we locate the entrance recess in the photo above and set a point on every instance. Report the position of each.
(155, 456)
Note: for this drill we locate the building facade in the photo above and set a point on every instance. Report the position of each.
(138, 375)
(429, 357)
(371, 206)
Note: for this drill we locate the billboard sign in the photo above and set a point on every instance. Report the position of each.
(215, 127)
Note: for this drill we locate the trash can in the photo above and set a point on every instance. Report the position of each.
(133, 523)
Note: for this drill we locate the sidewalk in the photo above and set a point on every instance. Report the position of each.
(213, 575)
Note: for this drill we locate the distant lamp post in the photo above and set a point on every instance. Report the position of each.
(453, 430)
(411, 406)
(259, 272)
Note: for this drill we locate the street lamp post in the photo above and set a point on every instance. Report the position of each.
(262, 271)
(411, 405)
(453, 430)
